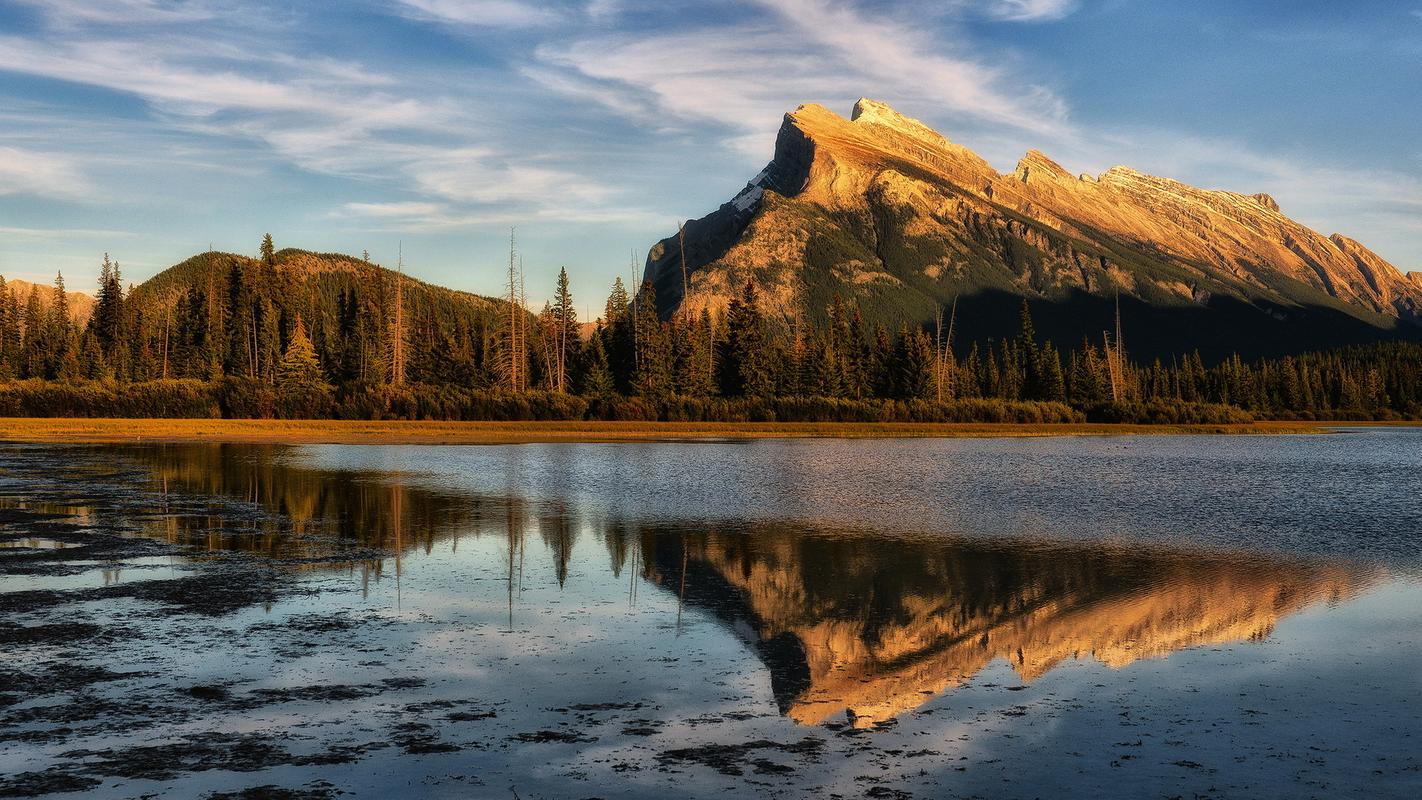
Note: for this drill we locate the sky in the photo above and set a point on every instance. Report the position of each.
(153, 129)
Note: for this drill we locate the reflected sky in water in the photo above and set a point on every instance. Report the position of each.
(800, 618)
(948, 555)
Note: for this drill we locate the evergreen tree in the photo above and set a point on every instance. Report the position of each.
(268, 251)
(301, 385)
(565, 332)
(653, 377)
(34, 346)
(594, 377)
(912, 365)
(745, 360)
(107, 320)
(1051, 383)
(9, 333)
(881, 363)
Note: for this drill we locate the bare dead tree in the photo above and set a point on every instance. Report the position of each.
(397, 333)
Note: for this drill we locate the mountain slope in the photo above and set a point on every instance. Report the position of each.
(884, 211)
(81, 305)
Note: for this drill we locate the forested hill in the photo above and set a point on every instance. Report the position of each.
(232, 314)
(220, 315)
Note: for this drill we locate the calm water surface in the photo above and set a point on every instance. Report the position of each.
(1123, 616)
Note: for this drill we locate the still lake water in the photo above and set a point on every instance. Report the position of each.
(1122, 616)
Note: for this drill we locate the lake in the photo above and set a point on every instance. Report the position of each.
(1218, 616)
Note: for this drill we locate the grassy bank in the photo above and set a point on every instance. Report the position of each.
(384, 432)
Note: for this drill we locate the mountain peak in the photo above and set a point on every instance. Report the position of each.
(873, 112)
(1036, 163)
(1267, 201)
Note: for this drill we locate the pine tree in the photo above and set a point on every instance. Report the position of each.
(34, 346)
(268, 251)
(9, 332)
(912, 365)
(565, 332)
(594, 376)
(1051, 382)
(1023, 361)
(301, 385)
(880, 361)
(745, 361)
(619, 338)
(107, 320)
(653, 377)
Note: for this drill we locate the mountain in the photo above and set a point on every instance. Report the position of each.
(81, 305)
(884, 211)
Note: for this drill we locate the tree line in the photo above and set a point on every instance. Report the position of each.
(235, 336)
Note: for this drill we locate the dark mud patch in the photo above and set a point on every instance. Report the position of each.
(58, 633)
(418, 738)
(734, 759)
(546, 737)
(59, 677)
(233, 752)
(37, 784)
(210, 592)
(318, 791)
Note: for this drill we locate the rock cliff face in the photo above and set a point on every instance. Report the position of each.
(881, 209)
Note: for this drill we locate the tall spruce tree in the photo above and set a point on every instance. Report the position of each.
(653, 377)
(745, 359)
(301, 386)
(9, 332)
(594, 376)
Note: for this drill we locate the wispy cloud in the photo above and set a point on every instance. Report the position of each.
(75, 12)
(1030, 10)
(32, 172)
(741, 77)
(64, 233)
(320, 114)
(421, 217)
(484, 13)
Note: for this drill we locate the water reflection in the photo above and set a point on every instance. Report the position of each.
(875, 627)
(846, 624)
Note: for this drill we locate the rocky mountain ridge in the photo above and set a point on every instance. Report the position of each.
(883, 210)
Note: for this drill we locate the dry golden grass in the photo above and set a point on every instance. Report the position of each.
(362, 432)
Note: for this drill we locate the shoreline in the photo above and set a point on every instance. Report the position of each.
(71, 430)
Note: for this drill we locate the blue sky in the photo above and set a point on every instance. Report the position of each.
(153, 128)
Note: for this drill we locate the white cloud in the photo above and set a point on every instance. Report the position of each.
(63, 233)
(399, 210)
(740, 78)
(76, 12)
(483, 13)
(1029, 10)
(30, 172)
(421, 217)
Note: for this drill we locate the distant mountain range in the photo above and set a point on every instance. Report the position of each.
(81, 305)
(883, 211)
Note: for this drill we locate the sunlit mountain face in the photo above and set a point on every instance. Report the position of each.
(886, 214)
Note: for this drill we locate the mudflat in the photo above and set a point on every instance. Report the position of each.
(96, 430)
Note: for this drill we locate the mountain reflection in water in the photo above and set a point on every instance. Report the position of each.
(846, 623)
